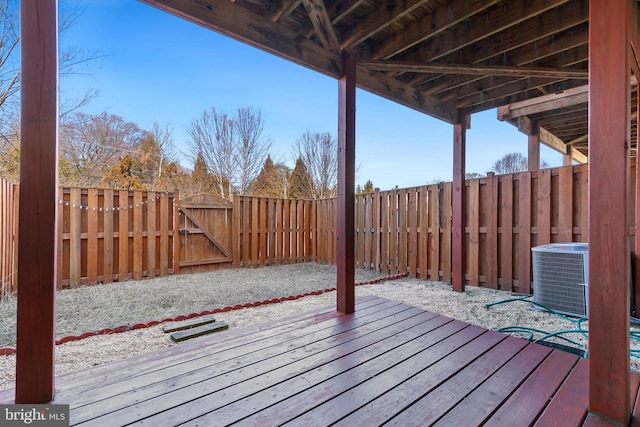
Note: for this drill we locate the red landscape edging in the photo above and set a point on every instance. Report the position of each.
(9, 350)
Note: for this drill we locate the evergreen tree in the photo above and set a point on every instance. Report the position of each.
(201, 180)
(368, 187)
(126, 175)
(300, 182)
(268, 183)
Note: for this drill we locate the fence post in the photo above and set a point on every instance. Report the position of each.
(176, 232)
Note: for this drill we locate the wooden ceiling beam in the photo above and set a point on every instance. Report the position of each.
(525, 125)
(338, 11)
(485, 25)
(255, 30)
(448, 16)
(579, 140)
(566, 98)
(376, 22)
(475, 70)
(258, 31)
(492, 92)
(481, 26)
(573, 59)
(561, 99)
(466, 95)
(540, 27)
(523, 56)
(284, 8)
(341, 9)
(322, 24)
(390, 88)
(571, 18)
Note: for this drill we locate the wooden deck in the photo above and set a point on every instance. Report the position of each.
(386, 363)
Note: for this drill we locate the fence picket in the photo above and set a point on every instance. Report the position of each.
(435, 224)
(75, 243)
(151, 234)
(506, 235)
(473, 218)
(446, 209)
(524, 233)
(107, 229)
(92, 235)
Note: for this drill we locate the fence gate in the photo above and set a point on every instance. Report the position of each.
(205, 233)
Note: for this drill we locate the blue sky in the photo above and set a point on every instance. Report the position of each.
(158, 67)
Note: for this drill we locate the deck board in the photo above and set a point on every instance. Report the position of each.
(387, 363)
(436, 401)
(207, 375)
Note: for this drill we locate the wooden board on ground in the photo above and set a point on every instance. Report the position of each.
(188, 324)
(198, 331)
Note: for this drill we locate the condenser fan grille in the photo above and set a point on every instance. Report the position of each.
(560, 277)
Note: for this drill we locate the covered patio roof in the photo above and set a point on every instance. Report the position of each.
(443, 58)
(446, 58)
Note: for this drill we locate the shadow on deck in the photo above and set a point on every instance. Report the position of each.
(386, 363)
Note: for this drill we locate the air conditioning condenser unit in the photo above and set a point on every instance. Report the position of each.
(560, 277)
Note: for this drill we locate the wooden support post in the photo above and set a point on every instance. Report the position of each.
(37, 245)
(458, 235)
(534, 146)
(345, 233)
(636, 249)
(566, 159)
(609, 117)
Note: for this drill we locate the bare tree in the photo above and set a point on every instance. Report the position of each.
(9, 65)
(513, 163)
(155, 152)
(319, 151)
(252, 147)
(213, 138)
(91, 145)
(69, 60)
(233, 148)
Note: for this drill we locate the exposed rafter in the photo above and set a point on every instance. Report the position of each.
(475, 70)
(322, 24)
(284, 8)
(557, 144)
(256, 30)
(446, 58)
(554, 101)
(519, 51)
(431, 26)
(374, 23)
(525, 126)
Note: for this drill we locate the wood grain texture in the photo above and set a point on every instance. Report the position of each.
(386, 363)
(609, 100)
(506, 234)
(458, 236)
(524, 233)
(345, 250)
(37, 245)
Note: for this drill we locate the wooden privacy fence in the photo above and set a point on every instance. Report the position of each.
(409, 230)
(8, 236)
(111, 235)
(274, 231)
(103, 235)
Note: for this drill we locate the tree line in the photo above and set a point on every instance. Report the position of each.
(228, 152)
